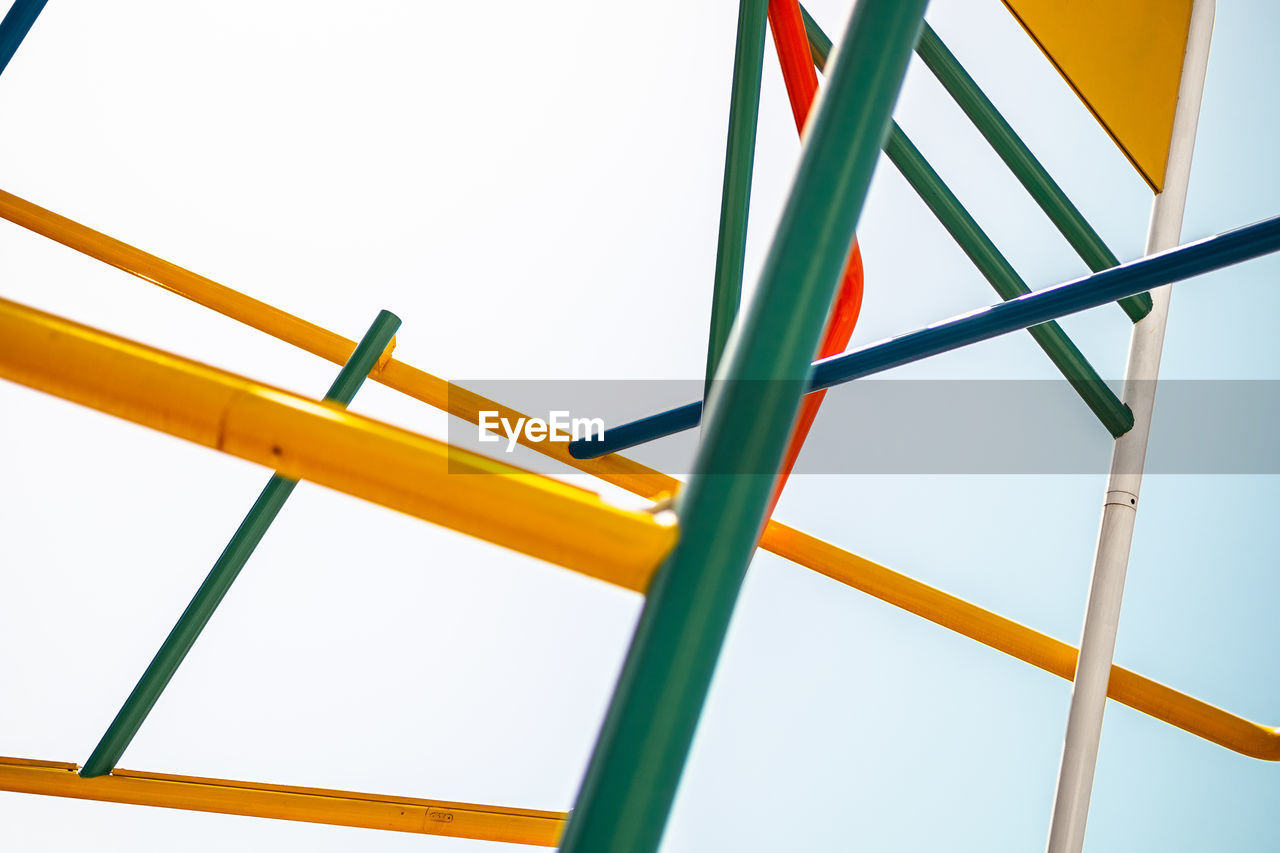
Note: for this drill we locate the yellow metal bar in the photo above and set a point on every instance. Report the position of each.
(312, 805)
(171, 277)
(1123, 58)
(1025, 644)
(316, 340)
(1040, 650)
(305, 440)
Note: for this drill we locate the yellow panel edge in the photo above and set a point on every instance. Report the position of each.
(1123, 59)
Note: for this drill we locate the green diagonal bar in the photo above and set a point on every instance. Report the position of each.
(739, 159)
(224, 571)
(631, 780)
(997, 270)
(1024, 165)
(1099, 397)
(1010, 148)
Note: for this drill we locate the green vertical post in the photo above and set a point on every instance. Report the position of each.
(739, 160)
(632, 777)
(224, 572)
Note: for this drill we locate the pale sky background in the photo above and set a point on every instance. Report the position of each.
(534, 189)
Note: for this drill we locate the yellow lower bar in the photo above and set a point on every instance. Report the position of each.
(1143, 694)
(306, 440)
(312, 805)
(1025, 644)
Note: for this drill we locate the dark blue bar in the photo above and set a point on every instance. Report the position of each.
(1207, 255)
(13, 29)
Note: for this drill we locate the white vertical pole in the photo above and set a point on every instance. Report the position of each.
(1120, 507)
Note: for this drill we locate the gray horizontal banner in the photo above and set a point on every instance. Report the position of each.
(905, 426)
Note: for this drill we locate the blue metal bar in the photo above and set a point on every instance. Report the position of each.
(15, 26)
(1207, 255)
(975, 243)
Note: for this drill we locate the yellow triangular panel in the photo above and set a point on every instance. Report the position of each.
(1124, 59)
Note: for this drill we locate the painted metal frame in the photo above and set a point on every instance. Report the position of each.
(975, 243)
(631, 780)
(1004, 140)
(1188, 261)
(1252, 739)
(1006, 282)
(761, 379)
(789, 38)
(306, 440)
(1042, 188)
(1256, 740)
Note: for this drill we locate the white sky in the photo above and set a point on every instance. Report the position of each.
(534, 189)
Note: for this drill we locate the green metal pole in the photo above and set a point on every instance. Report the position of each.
(735, 199)
(631, 780)
(227, 568)
(1004, 279)
(1113, 413)
(1024, 165)
(1011, 149)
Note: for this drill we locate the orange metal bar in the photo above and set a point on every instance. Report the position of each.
(844, 316)
(1040, 650)
(792, 43)
(282, 802)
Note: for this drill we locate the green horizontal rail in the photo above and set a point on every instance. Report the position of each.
(1024, 165)
(975, 243)
(225, 571)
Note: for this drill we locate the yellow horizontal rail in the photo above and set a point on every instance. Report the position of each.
(1025, 644)
(312, 805)
(306, 440)
(1040, 650)
(314, 339)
